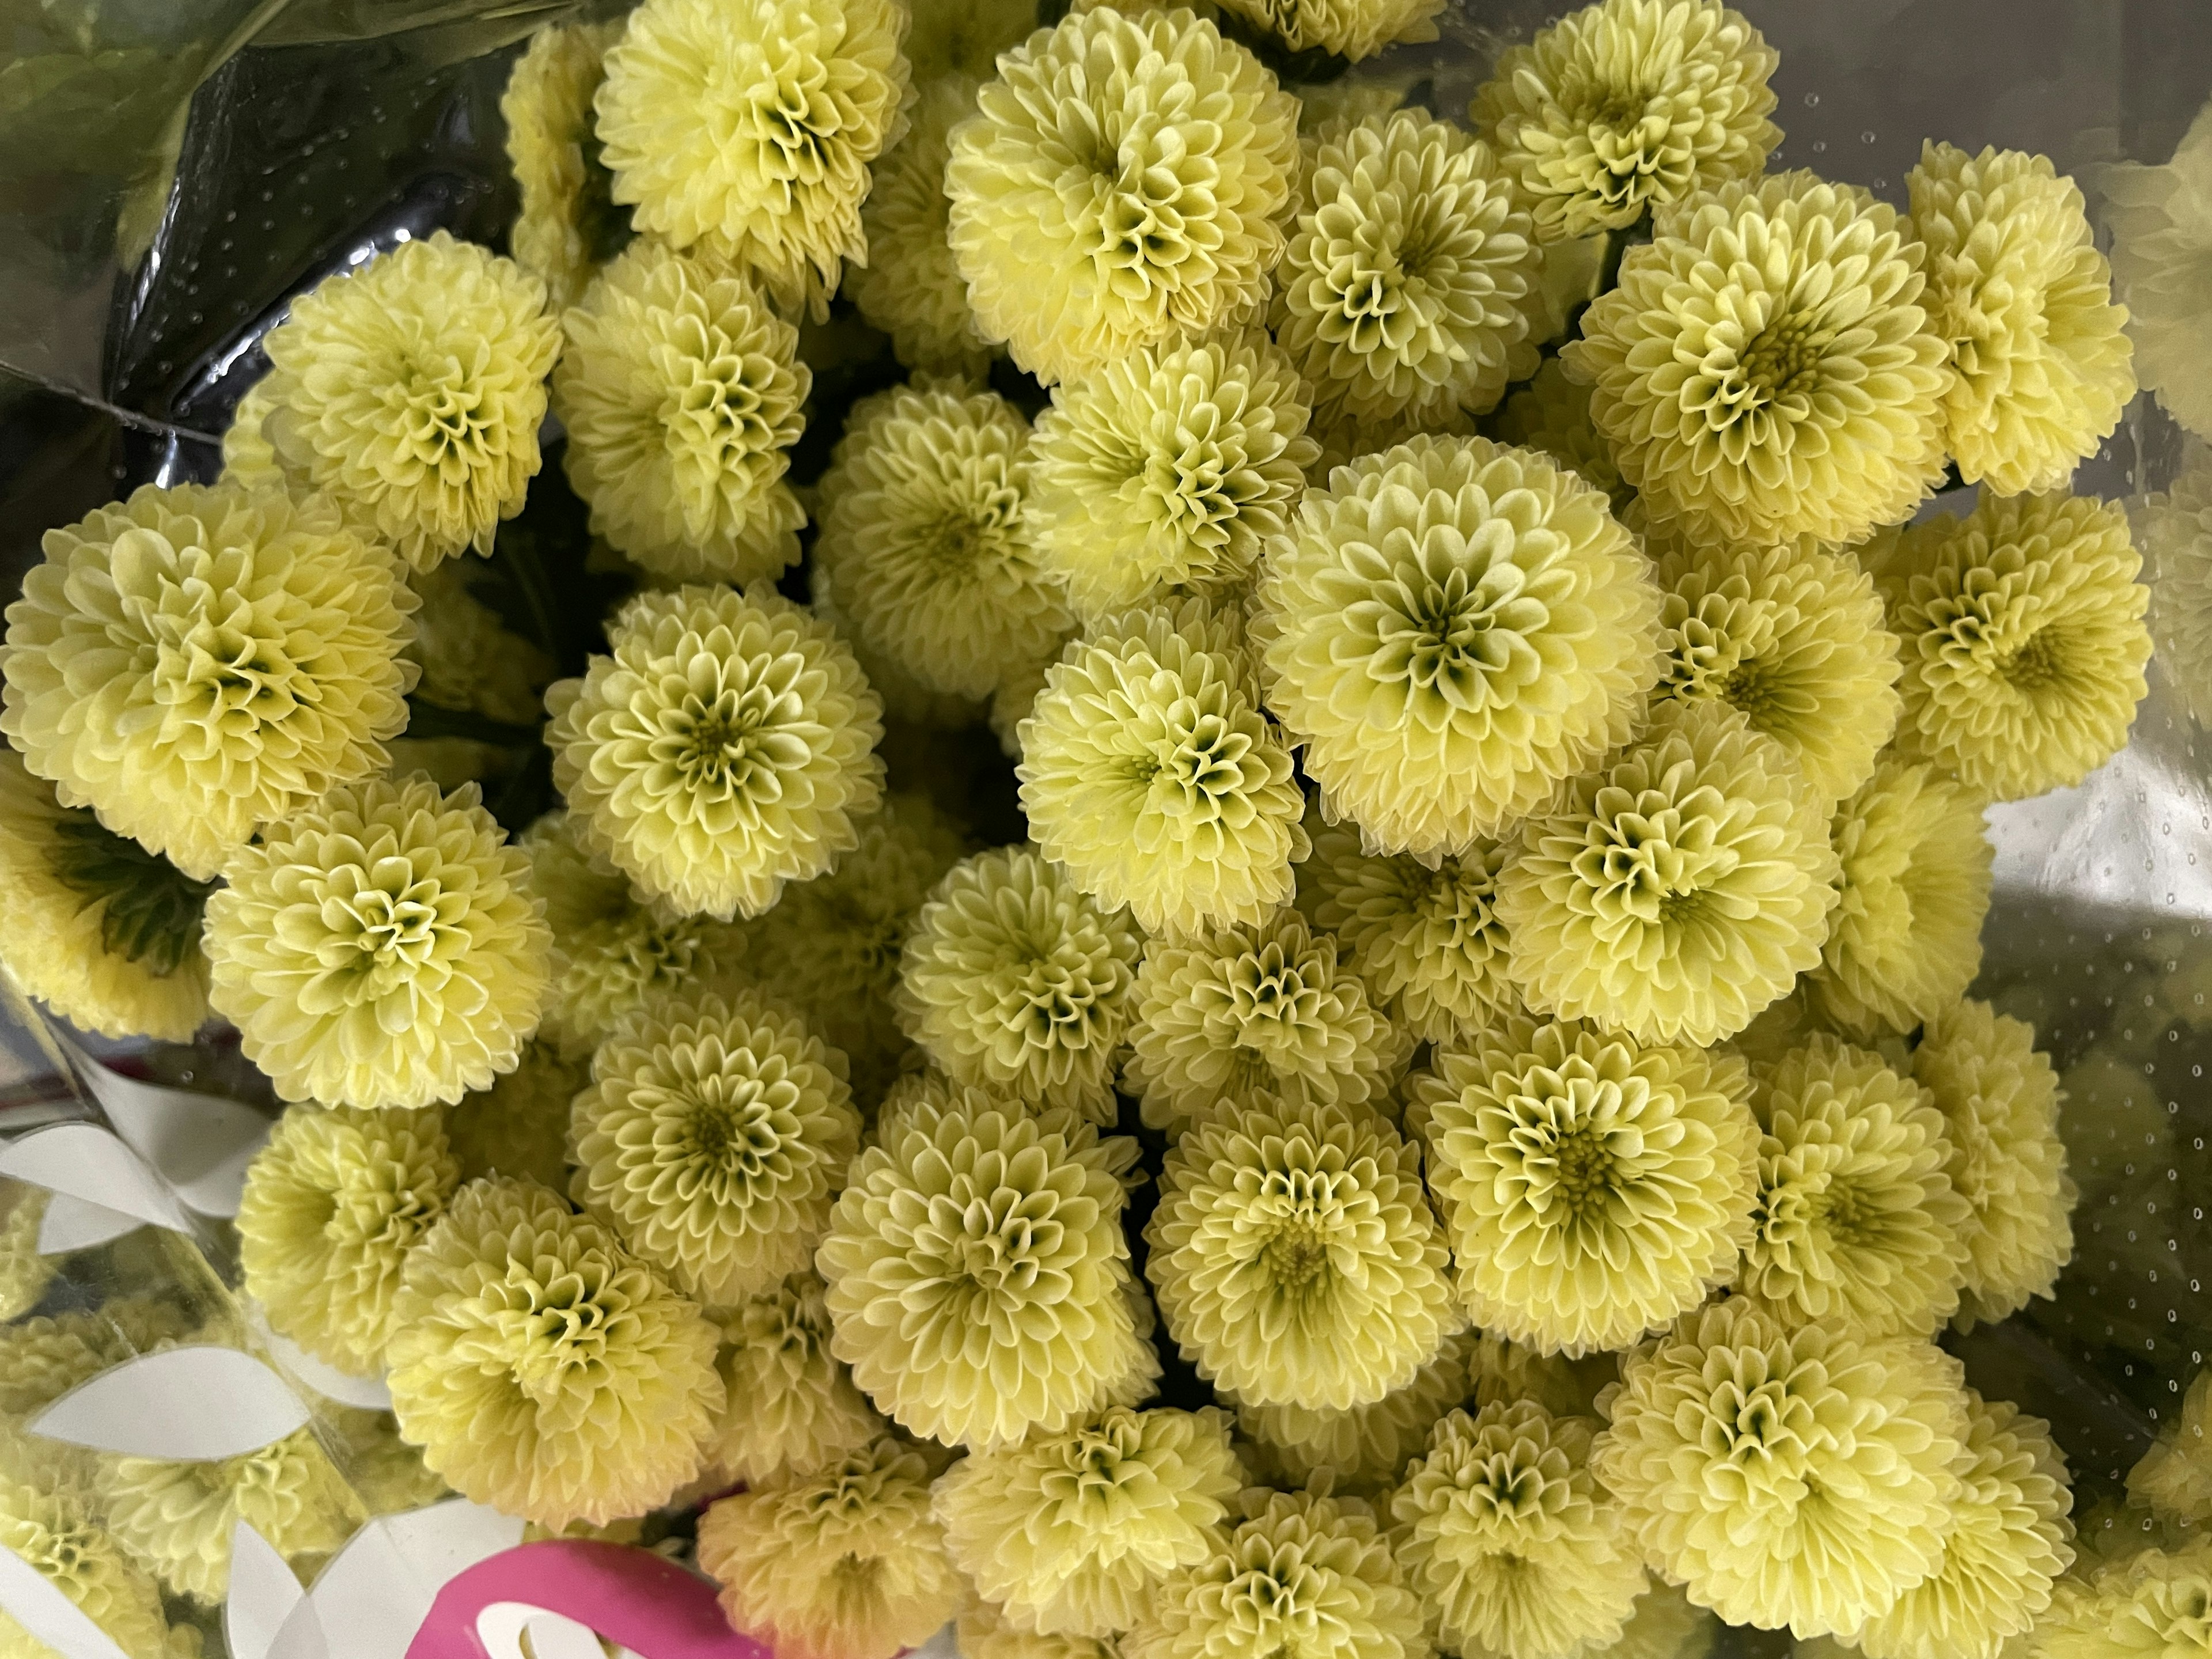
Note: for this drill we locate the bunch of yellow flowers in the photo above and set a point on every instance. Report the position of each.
(1216, 935)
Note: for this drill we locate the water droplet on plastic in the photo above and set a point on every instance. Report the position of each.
(1866, 138)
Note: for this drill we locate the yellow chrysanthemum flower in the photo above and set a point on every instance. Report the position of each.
(1552, 413)
(1294, 1258)
(1502, 1370)
(1409, 289)
(842, 1562)
(1764, 369)
(975, 1269)
(387, 1474)
(1167, 470)
(1426, 939)
(2008, 1541)
(381, 948)
(1620, 109)
(1366, 1449)
(249, 460)
(55, 1534)
(963, 36)
(1072, 1533)
(1451, 628)
(1015, 979)
(24, 1273)
(2149, 1605)
(1162, 219)
(2024, 642)
(714, 1135)
(1149, 771)
(2174, 529)
(332, 1204)
(830, 947)
(983, 1632)
(2161, 221)
(1506, 1536)
(1597, 1187)
(42, 1359)
(925, 544)
(179, 1518)
(193, 662)
(1906, 937)
(1858, 1220)
(1793, 639)
(1999, 1100)
(1667, 1625)
(749, 128)
(466, 657)
(2015, 283)
(410, 391)
(101, 931)
(1802, 1478)
(1303, 1576)
(724, 747)
(570, 226)
(1677, 891)
(792, 1407)
(542, 1368)
(682, 398)
(2173, 1478)
(1262, 1012)
(519, 1126)
(1351, 29)
(911, 288)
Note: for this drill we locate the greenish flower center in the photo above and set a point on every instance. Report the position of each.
(2036, 662)
(394, 931)
(1783, 359)
(438, 415)
(152, 909)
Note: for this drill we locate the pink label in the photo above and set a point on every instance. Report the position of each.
(631, 1596)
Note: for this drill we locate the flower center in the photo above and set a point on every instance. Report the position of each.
(1783, 359)
(1002, 1258)
(1583, 1164)
(153, 910)
(2036, 662)
(395, 932)
(438, 422)
(552, 1341)
(732, 1121)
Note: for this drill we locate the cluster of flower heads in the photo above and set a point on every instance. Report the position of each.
(1480, 1004)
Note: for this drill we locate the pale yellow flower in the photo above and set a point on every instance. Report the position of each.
(467, 659)
(43, 1357)
(193, 663)
(1351, 29)
(723, 747)
(56, 1536)
(1765, 369)
(1502, 1370)
(983, 1632)
(2149, 1605)
(542, 1368)
(1451, 629)
(412, 389)
(2173, 1478)
(963, 36)
(1128, 180)
(792, 1407)
(1364, 1450)
(911, 287)
(2174, 529)
(1552, 413)
(748, 127)
(2162, 222)
(682, 398)
(2016, 284)
(519, 1126)
(570, 226)
(24, 1273)
(1620, 109)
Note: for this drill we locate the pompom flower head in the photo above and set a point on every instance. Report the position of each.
(2017, 286)
(101, 931)
(194, 662)
(1364, 1450)
(1858, 1220)
(1168, 469)
(519, 1126)
(983, 1632)
(1597, 1187)
(569, 225)
(1351, 29)
(714, 1136)
(1409, 289)
(749, 128)
(682, 400)
(2175, 529)
(1999, 1101)
(381, 948)
(1620, 109)
(1149, 770)
(1802, 1478)
(911, 288)
(963, 38)
(1125, 181)
(1266, 1011)
(2024, 642)
(332, 1204)
(412, 389)
(1504, 1532)
(1294, 1258)
(1552, 413)
(2161, 221)
(924, 545)
(2150, 1605)
(1764, 369)
(1791, 638)
(725, 746)
(977, 1273)
(1303, 1578)
(1451, 629)
(1015, 979)
(1071, 1533)
(1677, 891)
(2173, 1478)
(542, 1369)
(792, 1405)
(56, 1536)
(1906, 936)
(842, 1562)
